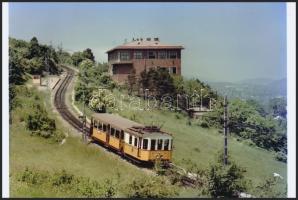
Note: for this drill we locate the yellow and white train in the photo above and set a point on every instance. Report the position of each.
(143, 144)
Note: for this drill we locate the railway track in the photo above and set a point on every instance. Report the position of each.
(59, 102)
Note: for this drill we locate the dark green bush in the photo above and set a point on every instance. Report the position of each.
(204, 124)
(281, 157)
(151, 187)
(62, 181)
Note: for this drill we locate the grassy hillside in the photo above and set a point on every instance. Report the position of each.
(91, 161)
(201, 145)
(38, 153)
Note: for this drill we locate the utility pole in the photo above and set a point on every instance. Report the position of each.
(201, 99)
(225, 131)
(84, 119)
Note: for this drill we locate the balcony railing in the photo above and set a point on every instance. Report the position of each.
(118, 61)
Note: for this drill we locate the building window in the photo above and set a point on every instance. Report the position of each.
(166, 145)
(130, 139)
(124, 55)
(145, 143)
(152, 147)
(159, 144)
(162, 55)
(173, 54)
(151, 54)
(138, 55)
(136, 142)
(172, 70)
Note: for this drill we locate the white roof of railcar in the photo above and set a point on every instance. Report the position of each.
(128, 125)
(115, 120)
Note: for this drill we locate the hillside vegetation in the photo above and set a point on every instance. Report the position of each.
(48, 160)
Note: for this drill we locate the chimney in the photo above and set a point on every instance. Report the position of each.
(141, 39)
(156, 39)
(149, 39)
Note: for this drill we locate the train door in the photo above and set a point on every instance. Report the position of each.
(91, 127)
(139, 146)
(121, 145)
(108, 133)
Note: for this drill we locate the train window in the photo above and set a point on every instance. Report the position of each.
(145, 143)
(112, 131)
(100, 126)
(159, 144)
(171, 143)
(136, 142)
(152, 145)
(122, 135)
(130, 139)
(166, 145)
(95, 124)
(104, 127)
(117, 133)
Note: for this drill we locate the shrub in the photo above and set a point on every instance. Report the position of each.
(33, 177)
(267, 188)
(62, 181)
(204, 124)
(226, 181)
(153, 187)
(62, 177)
(281, 157)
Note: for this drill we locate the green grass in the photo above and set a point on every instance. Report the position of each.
(190, 142)
(201, 145)
(75, 157)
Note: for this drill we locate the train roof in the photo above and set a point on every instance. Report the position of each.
(130, 126)
(115, 120)
(148, 131)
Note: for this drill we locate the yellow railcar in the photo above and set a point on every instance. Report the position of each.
(140, 143)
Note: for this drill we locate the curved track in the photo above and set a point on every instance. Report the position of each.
(59, 101)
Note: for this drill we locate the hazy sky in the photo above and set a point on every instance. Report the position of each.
(223, 41)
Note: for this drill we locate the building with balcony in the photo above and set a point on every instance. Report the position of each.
(142, 54)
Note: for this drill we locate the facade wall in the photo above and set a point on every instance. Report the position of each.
(119, 69)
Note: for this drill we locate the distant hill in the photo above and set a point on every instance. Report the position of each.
(259, 89)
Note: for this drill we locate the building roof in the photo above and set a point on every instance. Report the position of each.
(146, 44)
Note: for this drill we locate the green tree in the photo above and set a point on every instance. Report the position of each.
(245, 121)
(77, 58)
(91, 77)
(87, 54)
(36, 65)
(226, 180)
(34, 48)
(16, 71)
(278, 107)
(131, 81)
(257, 106)
(100, 100)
